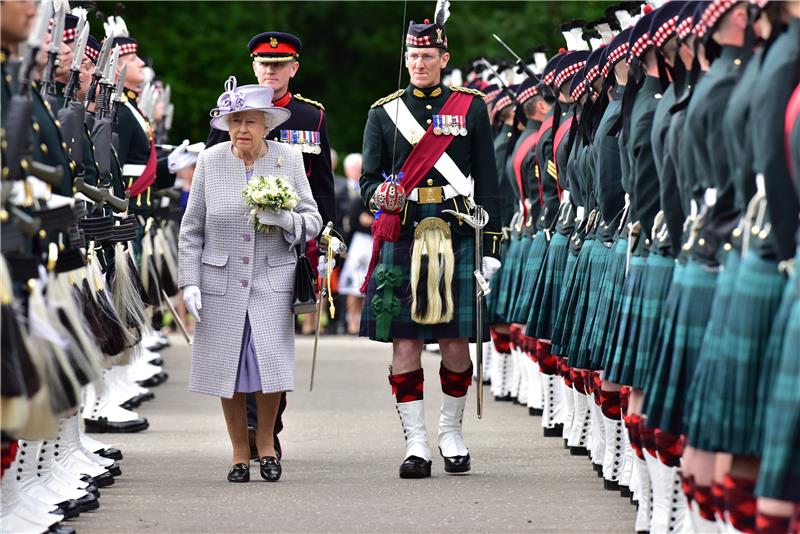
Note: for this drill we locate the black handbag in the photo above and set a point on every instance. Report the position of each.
(305, 294)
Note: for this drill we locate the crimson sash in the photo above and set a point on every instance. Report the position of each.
(423, 157)
(562, 132)
(519, 156)
(148, 175)
(431, 147)
(792, 112)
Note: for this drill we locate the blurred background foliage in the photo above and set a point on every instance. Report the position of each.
(351, 49)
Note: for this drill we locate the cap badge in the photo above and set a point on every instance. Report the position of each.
(439, 35)
(273, 42)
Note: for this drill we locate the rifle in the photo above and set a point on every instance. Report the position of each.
(19, 149)
(48, 89)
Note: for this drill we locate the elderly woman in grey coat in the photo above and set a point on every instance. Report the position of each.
(237, 281)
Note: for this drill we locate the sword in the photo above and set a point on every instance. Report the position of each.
(316, 337)
(477, 222)
(329, 243)
(177, 317)
(519, 61)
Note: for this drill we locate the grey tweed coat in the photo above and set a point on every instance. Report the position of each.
(240, 271)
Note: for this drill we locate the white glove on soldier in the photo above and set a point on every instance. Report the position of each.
(191, 297)
(489, 266)
(283, 219)
(322, 266)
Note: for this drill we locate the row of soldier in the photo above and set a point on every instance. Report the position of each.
(89, 255)
(647, 305)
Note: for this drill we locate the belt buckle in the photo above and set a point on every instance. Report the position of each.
(430, 195)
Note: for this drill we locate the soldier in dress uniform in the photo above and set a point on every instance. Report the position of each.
(142, 171)
(443, 139)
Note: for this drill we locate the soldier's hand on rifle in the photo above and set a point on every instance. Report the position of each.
(191, 297)
(489, 266)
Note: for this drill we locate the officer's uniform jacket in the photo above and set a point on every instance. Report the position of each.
(473, 154)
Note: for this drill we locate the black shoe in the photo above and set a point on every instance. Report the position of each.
(610, 485)
(155, 380)
(270, 469)
(625, 492)
(156, 361)
(251, 437)
(114, 470)
(102, 425)
(101, 481)
(506, 398)
(415, 467)
(111, 453)
(456, 464)
(239, 473)
(133, 402)
(59, 529)
(556, 432)
(69, 509)
(535, 411)
(578, 451)
(88, 502)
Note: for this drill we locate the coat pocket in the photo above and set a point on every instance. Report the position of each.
(281, 275)
(214, 273)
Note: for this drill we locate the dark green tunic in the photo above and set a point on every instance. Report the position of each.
(777, 80)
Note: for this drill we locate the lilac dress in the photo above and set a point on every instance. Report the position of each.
(248, 379)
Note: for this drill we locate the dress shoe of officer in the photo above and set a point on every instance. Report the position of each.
(239, 473)
(415, 467)
(271, 469)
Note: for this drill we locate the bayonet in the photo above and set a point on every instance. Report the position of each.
(102, 60)
(74, 83)
(118, 92)
(56, 40)
(106, 83)
(524, 66)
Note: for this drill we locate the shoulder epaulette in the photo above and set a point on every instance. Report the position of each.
(388, 98)
(314, 103)
(467, 90)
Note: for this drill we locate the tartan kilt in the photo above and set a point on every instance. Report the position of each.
(702, 408)
(578, 298)
(398, 255)
(691, 319)
(606, 341)
(497, 300)
(654, 293)
(619, 368)
(598, 262)
(515, 280)
(779, 474)
(548, 289)
(754, 303)
(610, 291)
(560, 316)
(530, 272)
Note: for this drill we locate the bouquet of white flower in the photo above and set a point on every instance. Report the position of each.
(268, 193)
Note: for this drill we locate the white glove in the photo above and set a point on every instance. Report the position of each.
(322, 265)
(283, 219)
(191, 297)
(489, 266)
